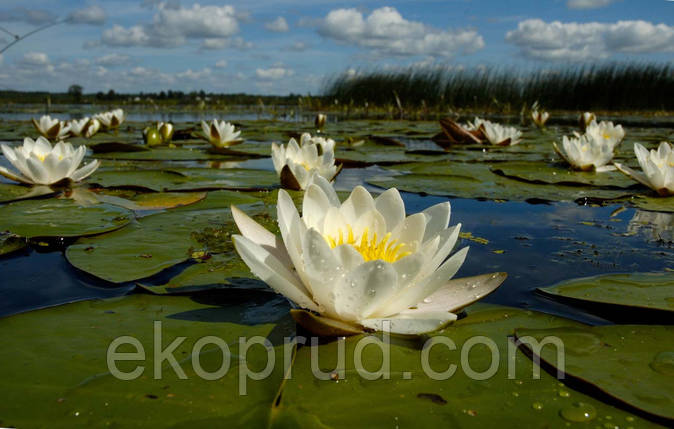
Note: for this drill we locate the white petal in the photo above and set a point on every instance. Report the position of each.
(323, 270)
(261, 236)
(359, 202)
(413, 323)
(411, 231)
(314, 207)
(364, 289)
(17, 178)
(85, 171)
(271, 271)
(327, 188)
(390, 204)
(38, 174)
(348, 256)
(458, 293)
(437, 219)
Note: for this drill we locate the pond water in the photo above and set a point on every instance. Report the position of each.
(151, 230)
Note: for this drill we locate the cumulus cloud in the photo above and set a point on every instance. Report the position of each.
(279, 25)
(112, 60)
(587, 41)
(92, 15)
(35, 59)
(385, 31)
(221, 64)
(173, 26)
(587, 4)
(273, 73)
(220, 43)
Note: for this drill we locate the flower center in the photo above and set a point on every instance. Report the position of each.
(369, 247)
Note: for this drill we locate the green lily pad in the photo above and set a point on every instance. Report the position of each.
(642, 290)
(541, 172)
(218, 271)
(106, 147)
(150, 201)
(61, 218)
(186, 179)
(9, 193)
(10, 243)
(656, 204)
(414, 397)
(66, 349)
(480, 183)
(632, 363)
(153, 244)
(166, 154)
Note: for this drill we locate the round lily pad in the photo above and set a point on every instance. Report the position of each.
(643, 290)
(632, 363)
(67, 349)
(61, 218)
(420, 390)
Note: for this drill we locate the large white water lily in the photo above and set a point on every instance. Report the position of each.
(85, 127)
(297, 163)
(606, 132)
(657, 166)
(357, 264)
(39, 163)
(112, 119)
(499, 135)
(221, 134)
(586, 153)
(539, 117)
(52, 128)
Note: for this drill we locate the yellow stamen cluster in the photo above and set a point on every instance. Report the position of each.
(370, 248)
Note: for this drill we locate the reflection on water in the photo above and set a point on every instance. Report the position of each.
(654, 226)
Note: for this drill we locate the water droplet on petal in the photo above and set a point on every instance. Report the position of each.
(428, 300)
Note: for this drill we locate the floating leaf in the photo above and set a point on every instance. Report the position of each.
(541, 172)
(641, 290)
(10, 243)
(152, 244)
(632, 363)
(61, 218)
(9, 193)
(66, 348)
(413, 397)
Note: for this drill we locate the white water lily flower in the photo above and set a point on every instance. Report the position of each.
(111, 119)
(85, 127)
(539, 117)
(475, 125)
(585, 153)
(40, 164)
(606, 132)
(499, 135)
(93, 127)
(657, 166)
(362, 262)
(220, 134)
(297, 163)
(51, 128)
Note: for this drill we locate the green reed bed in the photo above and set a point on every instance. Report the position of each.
(624, 87)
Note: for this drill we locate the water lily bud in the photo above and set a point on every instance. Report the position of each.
(152, 137)
(319, 121)
(166, 131)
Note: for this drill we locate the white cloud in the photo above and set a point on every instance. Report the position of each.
(35, 59)
(233, 42)
(221, 64)
(92, 15)
(279, 25)
(114, 60)
(298, 47)
(385, 31)
(588, 4)
(273, 73)
(588, 41)
(173, 26)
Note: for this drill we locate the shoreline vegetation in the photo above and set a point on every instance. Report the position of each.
(632, 89)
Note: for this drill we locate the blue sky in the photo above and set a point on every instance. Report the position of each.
(279, 47)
